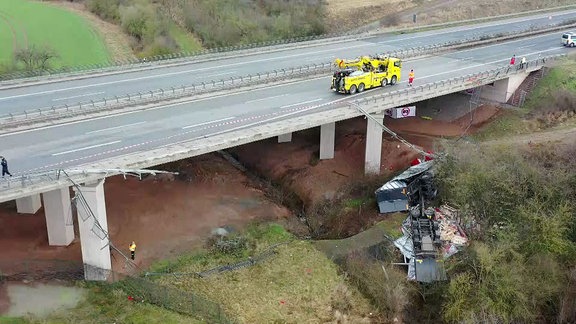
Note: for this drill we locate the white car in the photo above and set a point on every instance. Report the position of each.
(568, 39)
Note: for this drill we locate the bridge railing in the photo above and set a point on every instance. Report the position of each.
(383, 100)
(238, 83)
(233, 51)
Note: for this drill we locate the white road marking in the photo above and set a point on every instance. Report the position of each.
(237, 93)
(210, 122)
(78, 96)
(117, 81)
(244, 63)
(154, 108)
(267, 98)
(301, 103)
(117, 127)
(86, 148)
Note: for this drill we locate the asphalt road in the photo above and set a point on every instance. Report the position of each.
(81, 142)
(99, 87)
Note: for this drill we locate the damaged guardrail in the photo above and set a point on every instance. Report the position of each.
(210, 55)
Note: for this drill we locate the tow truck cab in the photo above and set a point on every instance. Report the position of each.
(568, 39)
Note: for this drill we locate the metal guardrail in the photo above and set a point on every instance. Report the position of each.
(233, 83)
(205, 54)
(154, 96)
(379, 102)
(439, 88)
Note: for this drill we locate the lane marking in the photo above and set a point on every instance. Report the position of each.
(156, 108)
(261, 60)
(301, 103)
(209, 122)
(115, 82)
(267, 98)
(79, 96)
(86, 148)
(117, 127)
(238, 93)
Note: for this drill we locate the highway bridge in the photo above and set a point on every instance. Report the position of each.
(171, 131)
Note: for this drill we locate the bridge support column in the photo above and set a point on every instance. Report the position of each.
(373, 145)
(93, 226)
(58, 212)
(503, 89)
(28, 205)
(327, 138)
(285, 138)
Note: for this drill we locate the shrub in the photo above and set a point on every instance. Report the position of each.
(105, 9)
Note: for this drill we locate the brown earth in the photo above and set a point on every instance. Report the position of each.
(296, 164)
(169, 216)
(164, 217)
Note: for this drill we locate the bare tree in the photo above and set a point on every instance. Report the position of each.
(35, 58)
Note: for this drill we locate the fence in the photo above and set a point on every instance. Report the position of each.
(140, 289)
(226, 52)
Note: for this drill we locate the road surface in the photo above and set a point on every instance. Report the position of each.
(99, 87)
(81, 142)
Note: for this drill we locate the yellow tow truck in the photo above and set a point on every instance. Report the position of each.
(365, 72)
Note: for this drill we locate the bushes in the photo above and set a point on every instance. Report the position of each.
(221, 23)
(523, 202)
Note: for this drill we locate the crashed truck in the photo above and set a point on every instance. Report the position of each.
(429, 234)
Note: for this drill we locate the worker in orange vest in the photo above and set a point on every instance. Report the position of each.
(132, 248)
(410, 78)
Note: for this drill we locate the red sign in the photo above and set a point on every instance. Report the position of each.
(405, 112)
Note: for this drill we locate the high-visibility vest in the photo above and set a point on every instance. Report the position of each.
(411, 75)
(132, 247)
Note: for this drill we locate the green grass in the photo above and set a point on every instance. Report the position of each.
(104, 304)
(298, 284)
(516, 122)
(35, 23)
(186, 42)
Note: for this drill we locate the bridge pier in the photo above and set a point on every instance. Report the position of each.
(503, 89)
(285, 138)
(93, 226)
(58, 213)
(327, 138)
(28, 205)
(373, 145)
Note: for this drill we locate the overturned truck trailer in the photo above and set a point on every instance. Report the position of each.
(421, 244)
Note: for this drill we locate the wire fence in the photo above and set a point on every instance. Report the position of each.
(138, 288)
(265, 255)
(231, 51)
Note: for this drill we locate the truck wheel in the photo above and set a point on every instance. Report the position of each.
(393, 80)
(353, 89)
(360, 87)
(384, 82)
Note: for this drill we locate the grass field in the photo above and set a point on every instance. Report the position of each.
(25, 23)
(104, 304)
(296, 285)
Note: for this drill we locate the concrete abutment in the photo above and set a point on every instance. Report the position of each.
(285, 138)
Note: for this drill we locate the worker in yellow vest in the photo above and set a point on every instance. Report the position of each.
(410, 78)
(132, 248)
